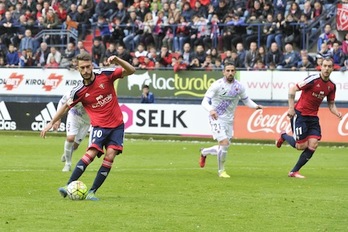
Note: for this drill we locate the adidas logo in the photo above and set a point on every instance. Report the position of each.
(6, 122)
(45, 116)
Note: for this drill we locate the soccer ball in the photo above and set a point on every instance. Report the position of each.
(77, 190)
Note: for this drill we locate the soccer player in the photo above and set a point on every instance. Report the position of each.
(304, 114)
(221, 100)
(98, 97)
(77, 125)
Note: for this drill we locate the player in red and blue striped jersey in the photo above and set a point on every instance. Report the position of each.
(304, 115)
(98, 97)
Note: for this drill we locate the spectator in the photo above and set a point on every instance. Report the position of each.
(308, 10)
(304, 52)
(274, 56)
(279, 6)
(18, 11)
(345, 66)
(179, 64)
(324, 37)
(27, 42)
(345, 44)
(104, 30)
(337, 56)
(98, 52)
(295, 11)
(259, 66)
(241, 55)
(291, 57)
(56, 54)
(26, 59)
(140, 53)
(82, 18)
(218, 64)
(187, 12)
(319, 62)
(147, 38)
(146, 95)
(41, 55)
(195, 64)
(207, 65)
(275, 32)
(80, 48)
(147, 63)
(88, 7)
(318, 9)
(12, 58)
(135, 62)
(67, 56)
(8, 27)
(158, 30)
(187, 54)
(110, 51)
(30, 5)
(165, 58)
(52, 63)
(169, 34)
(304, 64)
(123, 53)
(136, 29)
(119, 13)
(325, 51)
(251, 56)
(332, 39)
(182, 34)
(71, 25)
(143, 11)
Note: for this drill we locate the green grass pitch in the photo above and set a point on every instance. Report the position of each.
(158, 186)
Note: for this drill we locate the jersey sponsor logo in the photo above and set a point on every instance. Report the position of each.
(101, 100)
(87, 94)
(320, 95)
(6, 122)
(44, 117)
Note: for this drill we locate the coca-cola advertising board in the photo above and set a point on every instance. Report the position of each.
(269, 122)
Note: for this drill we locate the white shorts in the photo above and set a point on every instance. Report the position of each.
(76, 126)
(221, 130)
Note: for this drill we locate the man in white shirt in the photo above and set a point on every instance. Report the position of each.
(221, 100)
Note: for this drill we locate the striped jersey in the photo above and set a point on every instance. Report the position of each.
(314, 90)
(99, 98)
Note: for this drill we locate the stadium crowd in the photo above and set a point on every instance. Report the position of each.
(183, 34)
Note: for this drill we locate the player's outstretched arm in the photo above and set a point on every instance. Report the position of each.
(61, 111)
(334, 110)
(128, 69)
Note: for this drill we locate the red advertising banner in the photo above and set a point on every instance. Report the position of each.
(269, 122)
(342, 17)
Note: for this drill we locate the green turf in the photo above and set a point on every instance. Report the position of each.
(158, 186)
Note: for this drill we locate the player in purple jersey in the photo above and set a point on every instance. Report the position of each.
(304, 114)
(98, 97)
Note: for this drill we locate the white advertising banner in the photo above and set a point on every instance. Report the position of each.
(37, 81)
(186, 120)
(260, 85)
(275, 85)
